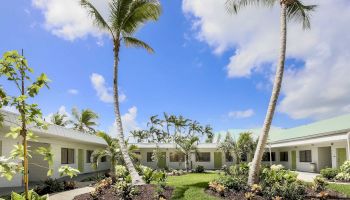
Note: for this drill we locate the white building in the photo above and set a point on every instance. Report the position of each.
(69, 147)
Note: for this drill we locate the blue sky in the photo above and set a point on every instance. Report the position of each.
(194, 71)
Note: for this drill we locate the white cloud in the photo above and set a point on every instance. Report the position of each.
(73, 91)
(319, 89)
(104, 93)
(129, 122)
(239, 114)
(67, 19)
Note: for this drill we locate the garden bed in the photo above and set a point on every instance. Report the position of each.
(144, 192)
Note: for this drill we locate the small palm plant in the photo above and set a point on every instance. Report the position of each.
(112, 152)
(60, 119)
(125, 18)
(84, 120)
(187, 146)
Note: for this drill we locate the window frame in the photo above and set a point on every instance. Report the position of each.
(198, 157)
(180, 157)
(103, 159)
(68, 151)
(149, 159)
(303, 156)
(273, 155)
(285, 156)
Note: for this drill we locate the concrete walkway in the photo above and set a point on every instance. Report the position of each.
(69, 195)
(306, 176)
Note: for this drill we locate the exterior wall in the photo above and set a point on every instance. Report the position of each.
(56, 145)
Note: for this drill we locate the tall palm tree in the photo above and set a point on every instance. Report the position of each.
(246, 144)
(208, 130)
(84, 120)
(290, 10)
(60, 119)
(125, 18)
(112, 151)
(140, 135)
(186, 146)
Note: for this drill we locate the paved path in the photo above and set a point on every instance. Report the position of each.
(307, 176)
(69, 195)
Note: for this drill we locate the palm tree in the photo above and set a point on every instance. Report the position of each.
(125, 17)
(194, 127)
(208, 130)
(231, 147)
(186, 146)
(112, 151)
(246, 144)
(140, 135)
(291, 10)
(84, 120)
(60, 119)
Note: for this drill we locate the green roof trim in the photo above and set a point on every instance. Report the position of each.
(332, 125)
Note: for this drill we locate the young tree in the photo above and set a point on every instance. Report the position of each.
(140, 135)
(15, 68)
(290, 10)
(187, 146)
(125, 18)
(85, 121)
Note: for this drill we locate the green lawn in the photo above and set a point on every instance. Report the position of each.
(345, 189)
(191, 186)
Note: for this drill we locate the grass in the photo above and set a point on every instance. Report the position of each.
(191, 186)
(342, 188)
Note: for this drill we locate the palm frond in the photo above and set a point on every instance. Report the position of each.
(119, 11)
(233, 6)
(97, 17)
(299, 12)
(107, 138)
(141, 11)
(131, 41)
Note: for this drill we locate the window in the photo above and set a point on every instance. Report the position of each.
(103, 159)
(149, 157)
(284, 156)
(88, 156)
(305, 156)
(177, 157)
(266, 156)
(228, 157)
(203, 157)
(67, 156)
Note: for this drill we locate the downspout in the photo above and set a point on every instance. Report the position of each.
(348, 139)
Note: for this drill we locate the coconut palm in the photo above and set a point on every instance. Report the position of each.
(186, 146)
(60, 119)
(84, 120)
(112, 151)
(125, 18)
(208, 131)
(140, 135)
(194, 127)
(290, 10)
(246, 144)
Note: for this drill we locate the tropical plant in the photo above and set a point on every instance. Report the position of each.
(125, 18)
(112, 151)
(60, 119)
(186, 146)
(290, 10)
(84, 120)
(329, 173)
(140, 135)
(30, 196)
(246, 144)
(14, 67)
(208, 130)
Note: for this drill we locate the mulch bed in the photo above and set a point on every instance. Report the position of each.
(311, 195)
(145, 192)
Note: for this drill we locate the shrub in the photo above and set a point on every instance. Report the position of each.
(236, 183)
(217, 187)
(147, 174)
(239, 170)
(125, 190)
(345, 168)
(121, 171)
(49, 186)
(319, 184)
(32, 195)
(101, 187)
(199, 169)
(344, 174)
(329, 173)
(69, 185)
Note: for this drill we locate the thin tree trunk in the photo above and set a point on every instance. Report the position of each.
(136, 179)
(255, 166)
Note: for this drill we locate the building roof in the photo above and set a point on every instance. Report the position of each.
(54, 131)
(172, 145)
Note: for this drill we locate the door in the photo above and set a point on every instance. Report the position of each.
(81, 160)
(294, 160)
(217, 160)
(341, 156)
(162, 160)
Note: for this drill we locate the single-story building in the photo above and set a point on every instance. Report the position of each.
(69, 147)
(308, 148)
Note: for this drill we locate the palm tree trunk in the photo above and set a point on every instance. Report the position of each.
(136, 179)
(255, 166)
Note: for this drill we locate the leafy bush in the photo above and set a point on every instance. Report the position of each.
(329, 173)
(125, 190)
(32, 195)
(217, 187)
(101, 187)
(69, 185)
(147, 174)
(277, 182)
(319, 184)
(49, 186)
(199, 169)
(344, 174)
(239, 170)
(236, 183)
(121, 171)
